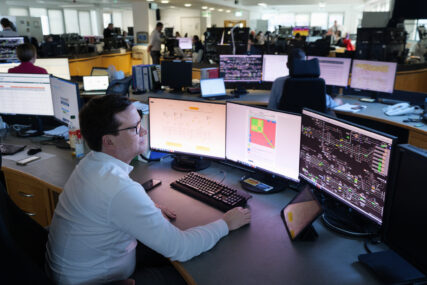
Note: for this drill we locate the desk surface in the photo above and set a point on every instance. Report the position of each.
(260, 253)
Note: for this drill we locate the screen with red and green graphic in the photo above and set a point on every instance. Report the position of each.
(263, 139)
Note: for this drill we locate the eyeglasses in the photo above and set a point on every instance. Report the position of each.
(137, 128)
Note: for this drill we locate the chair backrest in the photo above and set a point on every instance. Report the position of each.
(119, 87)
(22, 245)
(303, 88)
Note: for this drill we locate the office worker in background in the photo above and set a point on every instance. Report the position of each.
(102, 212)
(27, 54)
(197, 49)
(277, 88)
(108, 31)
(8, 29)
(155, 43)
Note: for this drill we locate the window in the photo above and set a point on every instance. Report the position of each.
(106, 19)
(302, 20)
(15, 11)
(94, 22)
(84, 22)
(117, 19)
(42, 13)
(319, 20)
(71, 21)
(56, 21)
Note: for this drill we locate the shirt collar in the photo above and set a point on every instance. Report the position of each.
(108, 158)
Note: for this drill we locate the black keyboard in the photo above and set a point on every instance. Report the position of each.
(210, 191)
(9, 149)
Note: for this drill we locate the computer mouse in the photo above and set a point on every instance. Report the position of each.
(33, 151)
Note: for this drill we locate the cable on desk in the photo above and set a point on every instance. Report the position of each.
(371, 240)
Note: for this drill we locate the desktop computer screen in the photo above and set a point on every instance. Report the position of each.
(274, 66)
(212, 87)
(185, 43)
(348, 162)
(97, 71)
(176, 74)
(187, 127)
(94, 83)
(335, 71)
(25, 94)
(303, 31)
(56, 66)
(406, 221)
(8, 47)
(373, 75)
(66, 100)
(240, 68)
(264, 139)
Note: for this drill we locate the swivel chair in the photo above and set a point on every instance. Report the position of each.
(119, 86)
(303, 88)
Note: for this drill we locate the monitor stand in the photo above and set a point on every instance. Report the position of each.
(36, 128)
(263, 183)
(186, 163)
(391, 268)
(239, 90)
(373, 97)
(176, 90)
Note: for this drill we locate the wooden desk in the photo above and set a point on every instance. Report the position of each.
(260, 253)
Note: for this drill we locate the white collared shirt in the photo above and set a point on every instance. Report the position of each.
(99, 216)
(155, 40)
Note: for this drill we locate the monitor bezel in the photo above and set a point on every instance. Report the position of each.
(249, 166)
(388, 188)
(179, 152)
(367, 89)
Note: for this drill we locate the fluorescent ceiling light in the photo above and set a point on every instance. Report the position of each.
(204, 7)
(262, 4)
(187, 5)
(220, 10)
(238, 14)
(228, 11)
(165, 1)
(150, 0)
(212, 9)
(322, 4)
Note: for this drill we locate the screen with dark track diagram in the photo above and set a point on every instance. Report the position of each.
(348, 162)
(241, 68)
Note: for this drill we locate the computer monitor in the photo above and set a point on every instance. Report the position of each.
(8, 48)
(274, 66)
(240, 68)
(264, 139)
(376, 76)
(185, 43)
(348, 162)
(66, 100)
(95, 83)
(176, 74)
(212, 87)
(96, 71)
(335, 71)
(58, 67)
(187, 127)
(303, 31)
(25, 94)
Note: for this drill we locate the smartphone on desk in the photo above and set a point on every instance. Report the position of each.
(151, 184)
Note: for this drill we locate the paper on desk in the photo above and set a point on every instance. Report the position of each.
(141, 106)
(23, 154)
(61, 131)
(350, 108)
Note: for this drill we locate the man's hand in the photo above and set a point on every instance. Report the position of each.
(149, 49)
(237, 217)
(168, 214)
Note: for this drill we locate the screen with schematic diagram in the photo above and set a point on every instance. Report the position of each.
(348, 162)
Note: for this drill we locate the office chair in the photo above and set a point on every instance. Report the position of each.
(303, 88)
(119, 86)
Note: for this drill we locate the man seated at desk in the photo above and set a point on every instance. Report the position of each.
(102, 212)
(27, 54)
(277, 88)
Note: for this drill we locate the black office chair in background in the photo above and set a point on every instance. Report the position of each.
(119, 87)
(303, 88)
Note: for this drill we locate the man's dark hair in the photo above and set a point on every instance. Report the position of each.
(159, 24)
(6, 23)
(295, 53)
(196, 38)
(26, 52)
(97, 118)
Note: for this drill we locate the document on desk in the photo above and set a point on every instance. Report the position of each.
(350, 108)
(23, 154)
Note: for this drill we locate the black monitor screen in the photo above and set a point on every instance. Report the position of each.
(176, 74)
(240, 68)
(404, 228)
(348, 162)
(8, 47)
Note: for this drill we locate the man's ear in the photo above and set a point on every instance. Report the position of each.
(107, 140)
